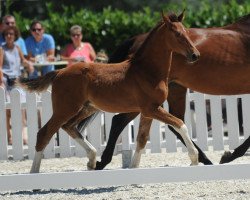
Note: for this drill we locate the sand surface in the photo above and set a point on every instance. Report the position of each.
(233, 189)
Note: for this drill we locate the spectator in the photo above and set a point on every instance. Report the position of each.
(78, 50)
(9, 20)
(40, 43)
(11, 59)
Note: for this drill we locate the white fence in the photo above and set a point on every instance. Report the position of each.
(161, 138)
(219, 135)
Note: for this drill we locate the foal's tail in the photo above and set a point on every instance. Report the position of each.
(39, 84)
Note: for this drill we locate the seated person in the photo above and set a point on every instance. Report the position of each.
(78, 50)
(40, 43)
(9, 20)
(11, 60)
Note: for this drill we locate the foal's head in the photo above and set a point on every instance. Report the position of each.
(178, 40)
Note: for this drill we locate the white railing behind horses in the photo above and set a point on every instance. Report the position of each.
(161, 138)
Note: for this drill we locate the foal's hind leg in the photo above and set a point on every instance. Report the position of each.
(71, 129)
(162, 115)
(44, 135)
(142, 139)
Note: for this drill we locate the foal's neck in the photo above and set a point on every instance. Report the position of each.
(155, 56)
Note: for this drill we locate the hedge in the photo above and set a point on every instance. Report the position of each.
(106, 29)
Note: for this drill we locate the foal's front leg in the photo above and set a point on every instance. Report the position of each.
(142, 138)
(160, 114)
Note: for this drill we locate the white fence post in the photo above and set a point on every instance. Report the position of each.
(171, 145)
(16, 124)
(49, 151)
(201, 120)
(217, 122)
(3, 128)
(32, 122)
(94, 133)
(246, 115)
(232, 121)
(126, 146)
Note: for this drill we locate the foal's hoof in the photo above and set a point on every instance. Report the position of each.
(226, 157)
(91, 165)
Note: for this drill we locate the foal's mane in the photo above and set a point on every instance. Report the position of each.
(173, 18)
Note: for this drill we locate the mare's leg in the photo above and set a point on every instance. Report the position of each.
(238, 152)
(160, 114)
(177, 103)
(142, 138)
(71, 129)
(119, 122)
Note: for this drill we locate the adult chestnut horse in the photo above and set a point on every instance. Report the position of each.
(223, 69)
(135, 85)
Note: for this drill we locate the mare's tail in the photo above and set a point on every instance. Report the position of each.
(39, 84)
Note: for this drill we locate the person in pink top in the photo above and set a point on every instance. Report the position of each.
(78, 51)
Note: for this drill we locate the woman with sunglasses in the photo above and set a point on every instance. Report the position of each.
(9, 20)
(11, 60)
(78, 51)
(39, 44)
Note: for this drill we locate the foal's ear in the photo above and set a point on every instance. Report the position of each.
(166, 20)
(182, 16)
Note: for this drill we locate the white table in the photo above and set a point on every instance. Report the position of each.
(50, 63)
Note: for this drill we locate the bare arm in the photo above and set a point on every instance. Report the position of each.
(1, 67)
(92, 53)
(26, 63)
(51, 55)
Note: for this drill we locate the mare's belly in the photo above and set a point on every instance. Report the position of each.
(222, 87)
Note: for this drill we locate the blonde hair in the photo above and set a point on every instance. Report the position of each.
(75, 29)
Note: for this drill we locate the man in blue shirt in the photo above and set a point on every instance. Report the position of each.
(40, 43)
(9, 20)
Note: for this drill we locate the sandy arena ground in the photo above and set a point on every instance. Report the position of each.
(218, 190)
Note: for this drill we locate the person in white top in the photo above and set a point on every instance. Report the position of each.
(11, 60)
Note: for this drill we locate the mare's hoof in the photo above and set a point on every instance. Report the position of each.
(99, 166)
(208, 162)
(225, 158)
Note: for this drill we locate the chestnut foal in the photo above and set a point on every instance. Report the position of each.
(135, 85)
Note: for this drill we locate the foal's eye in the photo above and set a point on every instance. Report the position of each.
(178, 34)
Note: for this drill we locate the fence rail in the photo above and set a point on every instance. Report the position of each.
(223, 130)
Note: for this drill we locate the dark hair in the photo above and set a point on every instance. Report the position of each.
(12, 28)
(34, 22)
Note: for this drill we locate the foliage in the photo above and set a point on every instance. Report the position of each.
(107, 29)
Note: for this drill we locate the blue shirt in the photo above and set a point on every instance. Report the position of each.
(19, 42)
(35, 48)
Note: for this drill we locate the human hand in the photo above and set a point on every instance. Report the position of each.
(50, 58)
(30, 67)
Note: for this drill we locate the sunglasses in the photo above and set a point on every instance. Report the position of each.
(36, 29)
(75, 35)
(11, 34)
(9, 23)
